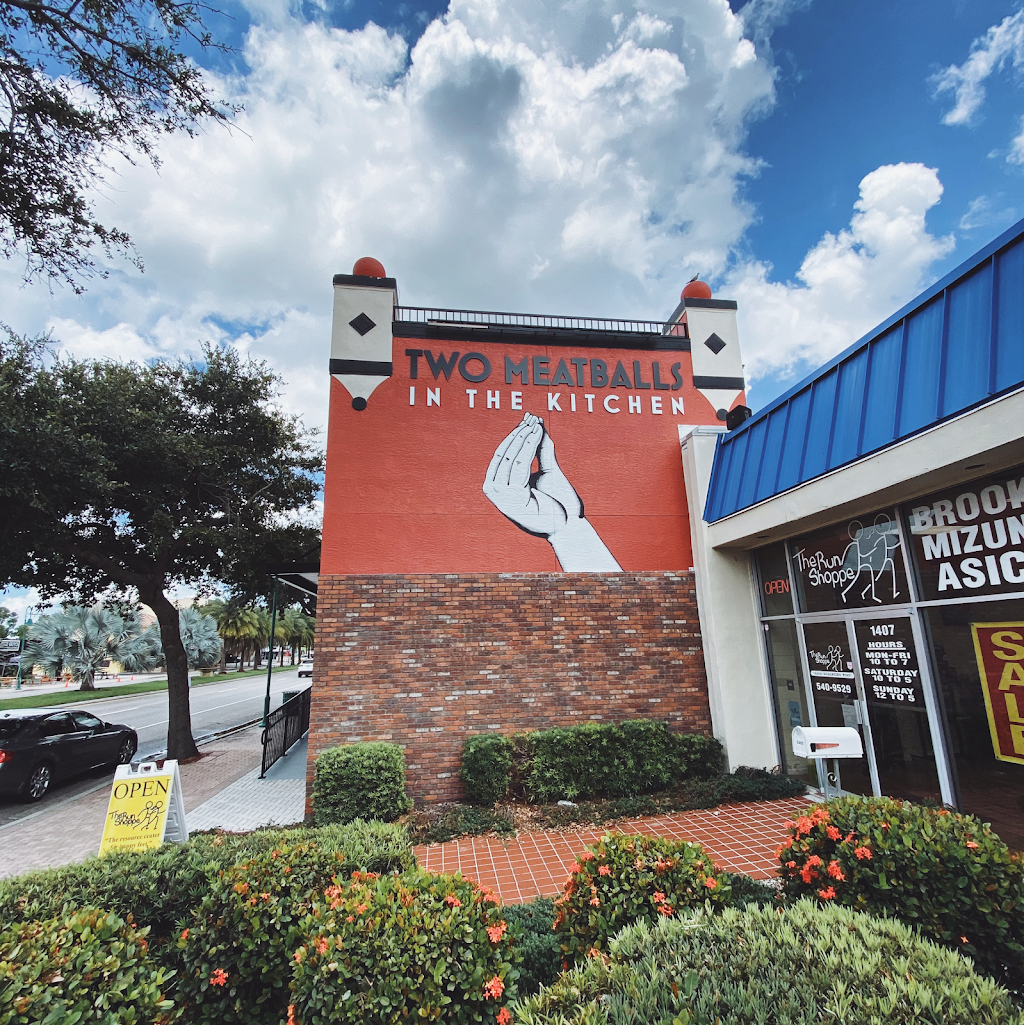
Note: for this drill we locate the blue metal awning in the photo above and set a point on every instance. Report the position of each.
(957, 345)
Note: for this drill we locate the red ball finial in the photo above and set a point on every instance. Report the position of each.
(696, 289)
(368, 267)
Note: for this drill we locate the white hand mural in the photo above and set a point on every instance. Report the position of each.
(543, 502)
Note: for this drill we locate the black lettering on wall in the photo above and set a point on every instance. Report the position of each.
(678, 377)
(579, 363)
(520, 370)
(441, 364)
(562, 374)
(659, 384)
(598, 373)
(640, 382)
(414, 362)
(468, 374)
(620, 379)
(540, 370)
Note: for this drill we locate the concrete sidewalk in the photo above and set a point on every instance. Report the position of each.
(222, 791)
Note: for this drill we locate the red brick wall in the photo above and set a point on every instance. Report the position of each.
(425, 660)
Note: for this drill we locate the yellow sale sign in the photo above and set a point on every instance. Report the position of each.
(1000, 651)
(138, 808)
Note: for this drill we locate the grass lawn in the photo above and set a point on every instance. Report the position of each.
(73, 696)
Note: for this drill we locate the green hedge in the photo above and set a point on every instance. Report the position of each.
(945, 873)
(360, 781)
(802, 965)
(588, 760)
(404, 948)
(530, 926)
(622, 879)
(87, 968)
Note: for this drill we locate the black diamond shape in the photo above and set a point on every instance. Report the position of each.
(362, 324)
(714, 343)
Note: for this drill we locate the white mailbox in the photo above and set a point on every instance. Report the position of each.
(827, 742)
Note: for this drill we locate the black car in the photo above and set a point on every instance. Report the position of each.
(39, 747)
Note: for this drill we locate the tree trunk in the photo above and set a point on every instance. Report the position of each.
(87, 682)
(180, 743)
(223, 658)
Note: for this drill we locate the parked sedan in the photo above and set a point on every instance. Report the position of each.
(306, 668)
(40, 747)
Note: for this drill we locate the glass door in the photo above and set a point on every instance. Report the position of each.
(864, 673)
(836, 699)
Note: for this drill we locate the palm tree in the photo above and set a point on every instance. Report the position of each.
(199, 635)
(79, 640)
(238, 624)
(291, 629)
(308, 633)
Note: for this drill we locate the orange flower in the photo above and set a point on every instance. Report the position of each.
(241, 887)
(219, 977)
(504, 1016)
(321, 945)
(576, 867)
(604, 870)
(184, 935)
(833, 833)
(827, 894)
(298, 953)
(360, 908)
(803, 825)
(710, 883)
(658, 897)
(452, 901)
(790, 864)
(496, 931)
(863, 853)
(587, 856)
(291, 1015)
(660, 866)
(835, 871)
(494, 988)
(351, 918)
(971, 845)
(665, 909)
(594, 902)
(593, 952)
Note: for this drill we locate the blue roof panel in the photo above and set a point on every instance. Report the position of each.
(958, 344)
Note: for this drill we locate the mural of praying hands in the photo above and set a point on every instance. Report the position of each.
(543, 502)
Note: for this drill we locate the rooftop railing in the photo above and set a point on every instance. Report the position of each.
(483, 319)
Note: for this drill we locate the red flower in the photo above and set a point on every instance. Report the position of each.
(658, 897)
(587, 856)
(803, 825)
(594, 902)
(833, 833)
(360, 908)
(863, 853)
(827, 894)
(452, 901)
(219, 977)
(291, 1015)
(184, 935)
(790, 864)
(504, 1016)
(665, 909)
(710, 883)
(835, 871)
(604, 870)
(494, 988)
(496, 931)
(576, 867)
(321, 945)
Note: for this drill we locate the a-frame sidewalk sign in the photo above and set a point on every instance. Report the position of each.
(145, 809)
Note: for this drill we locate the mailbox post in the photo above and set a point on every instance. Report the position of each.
(831, 743)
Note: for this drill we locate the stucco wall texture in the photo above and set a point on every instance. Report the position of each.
(426, 660)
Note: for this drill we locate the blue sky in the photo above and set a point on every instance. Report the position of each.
(575, 157)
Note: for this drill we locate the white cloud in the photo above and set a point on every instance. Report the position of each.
(848, 282)
(565, 157)
(984, 212)
(1002, 43)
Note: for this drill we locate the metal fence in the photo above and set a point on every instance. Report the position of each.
(285, 725)
(490, 318)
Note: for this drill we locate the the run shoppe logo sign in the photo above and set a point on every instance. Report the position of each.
(969, 540)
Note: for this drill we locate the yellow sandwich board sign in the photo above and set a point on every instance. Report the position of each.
(145, 808)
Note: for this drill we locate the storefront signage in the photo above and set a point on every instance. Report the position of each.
(831, 671)
(856, 564)
(145, 808)
(969, 540)
(888, 662)
(1000, 651)
(780, 586)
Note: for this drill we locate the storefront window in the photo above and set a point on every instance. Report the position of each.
(773, 579)
(790, 694)
(855, 564)
(968, 541)
(979, 657)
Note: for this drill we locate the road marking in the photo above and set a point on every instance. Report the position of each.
(195, 710)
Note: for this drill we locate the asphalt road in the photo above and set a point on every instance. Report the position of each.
(215, 707)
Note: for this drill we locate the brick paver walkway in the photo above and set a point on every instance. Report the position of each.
(740, 837)
(70, 830)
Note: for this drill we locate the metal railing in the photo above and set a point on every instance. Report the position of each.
(285, 725)
(477, 319)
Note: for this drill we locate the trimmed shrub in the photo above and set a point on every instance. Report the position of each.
(91, 966)
(412, 947)
(439, 823)
(486, 770)
(584, 761)
(945, 873)
(530, 926)
(237, 950)
(622, 879)
(802, 965)
(360, 781)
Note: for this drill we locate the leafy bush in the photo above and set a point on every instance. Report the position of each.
(622, 879)
(588, 760)
(744, 891)
(530, 925)
(360, 781)
(91, 966)
(237, 951)
(486, 770)
(162, 887)
(802, 965)
(404, 948)
(440, 823)
(945, 873)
